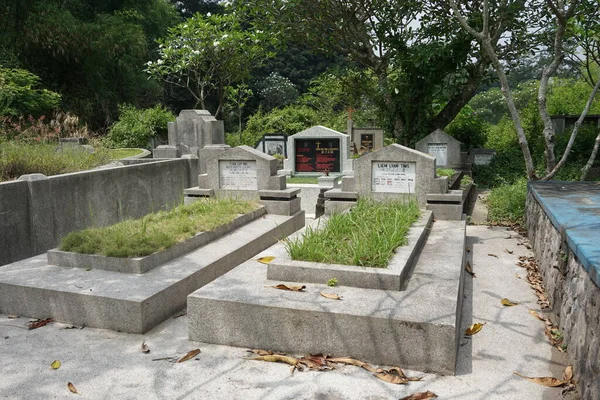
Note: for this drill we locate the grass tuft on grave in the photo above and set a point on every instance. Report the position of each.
(158, 231)
(445, 172)
(313, 180)
(366, 236)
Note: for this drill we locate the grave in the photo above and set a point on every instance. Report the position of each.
(365, 139)
(246, 173)
(481, 156)
(315, 151)
(194, 133)
(273, 144)
(445, 149)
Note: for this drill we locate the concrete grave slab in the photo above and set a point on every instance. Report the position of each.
(443, 147)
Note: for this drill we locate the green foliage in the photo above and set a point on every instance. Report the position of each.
(17, 158)
(20, 94)
(466, 180)
(490, 105)
(468, 128)
(569, 96)
(158, 231)
(506, 203)
(332, 282)
(445, 172)
(136, 127)
(341, 241)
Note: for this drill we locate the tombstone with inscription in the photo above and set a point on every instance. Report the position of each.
(315, 151)
(365, 139)
(246, 173)
(443, 147)
(393, 172)
(481, 156)
(273, 144)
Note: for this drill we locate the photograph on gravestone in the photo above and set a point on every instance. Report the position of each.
(366, 142)
(439, 151)
(393, 177)
(272, 144)
(318, 155)
(238, 175)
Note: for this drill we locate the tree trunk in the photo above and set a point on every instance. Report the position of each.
(586, 169)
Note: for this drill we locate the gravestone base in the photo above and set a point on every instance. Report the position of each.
(280, 202)
(165, 152)
(338, 201)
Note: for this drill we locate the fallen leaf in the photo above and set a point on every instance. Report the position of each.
(266, 259)
(145, 348)
(421, 396)
(507, 303)
(473, 329)
(191, 354)
(261, 352)
(331, 296)
(492, 255)
(39, 323)
(469, 269)
(281, 286)
(535, 314)
(72, 388)
(568, 374)
(393, 375)
(355, 362)
(518, 277)
(55, 364)
(293, 361)
(316, 362)
(544, 381)
(508, 251)
(12, 316)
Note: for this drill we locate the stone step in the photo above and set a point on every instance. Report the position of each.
(131, 302)
(416, 328)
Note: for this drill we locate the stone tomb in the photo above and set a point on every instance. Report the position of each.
(481, 156)
(443, 147)
(315, 151)
(365, 139)
(390, 173)
(247, 173)
(273, 144)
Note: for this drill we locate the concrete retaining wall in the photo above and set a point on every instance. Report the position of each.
(574, 297)
(36, 214)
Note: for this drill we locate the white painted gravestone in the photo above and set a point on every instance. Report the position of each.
(443, 147)
(393, 177)
(238, 175)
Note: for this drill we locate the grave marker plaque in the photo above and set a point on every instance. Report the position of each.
(366, 142)
(483, 159)
(318, 155)
(393, 177)
(238, 175)
(439, 151)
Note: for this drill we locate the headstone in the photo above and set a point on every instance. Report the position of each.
(365, 139)
(273, 144)
(481, 156)
(443, 147)
(246, 173)
(317, 150)
(392, 172)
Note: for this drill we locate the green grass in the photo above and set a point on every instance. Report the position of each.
(506, 203)
(303, 179)
(158, 231)
(18, 159)
(365, 236)
(445, 172)
(466, 180)
(117, 154)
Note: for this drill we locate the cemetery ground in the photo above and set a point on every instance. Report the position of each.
(107, 364)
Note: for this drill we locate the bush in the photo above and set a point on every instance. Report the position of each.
(137, 126)
(468, 128)
(19, 94)
(506, 203)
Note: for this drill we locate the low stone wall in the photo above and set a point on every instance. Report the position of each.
(574, 297)
(36, 214)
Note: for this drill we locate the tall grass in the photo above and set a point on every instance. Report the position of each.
(158, 231)
(506, 203)
(18, 158)
(365, 236)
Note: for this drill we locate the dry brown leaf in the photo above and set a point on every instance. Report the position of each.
(469, 269)
(293, 361)
(145, 348)
(393, 375)
(12, 316)
(508, 251)
(492, 255)
(316, 362)
(72, 388)
(39, 323)
(568, 374)
(544, 381)
(191, 354)
(421, 396)
(265, 259)
(507, 303)
(355, 362)
(473, 329)
(331, 296)
(535, 314)
(281, 286)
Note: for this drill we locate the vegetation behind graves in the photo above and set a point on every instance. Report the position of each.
(136, 127)
(506, 203)
(158, 231)
(365, 236)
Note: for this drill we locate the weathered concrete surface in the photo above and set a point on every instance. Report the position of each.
(64, 203)
(416, 328)
(131, 302)
(105, 364)
(574, 297)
